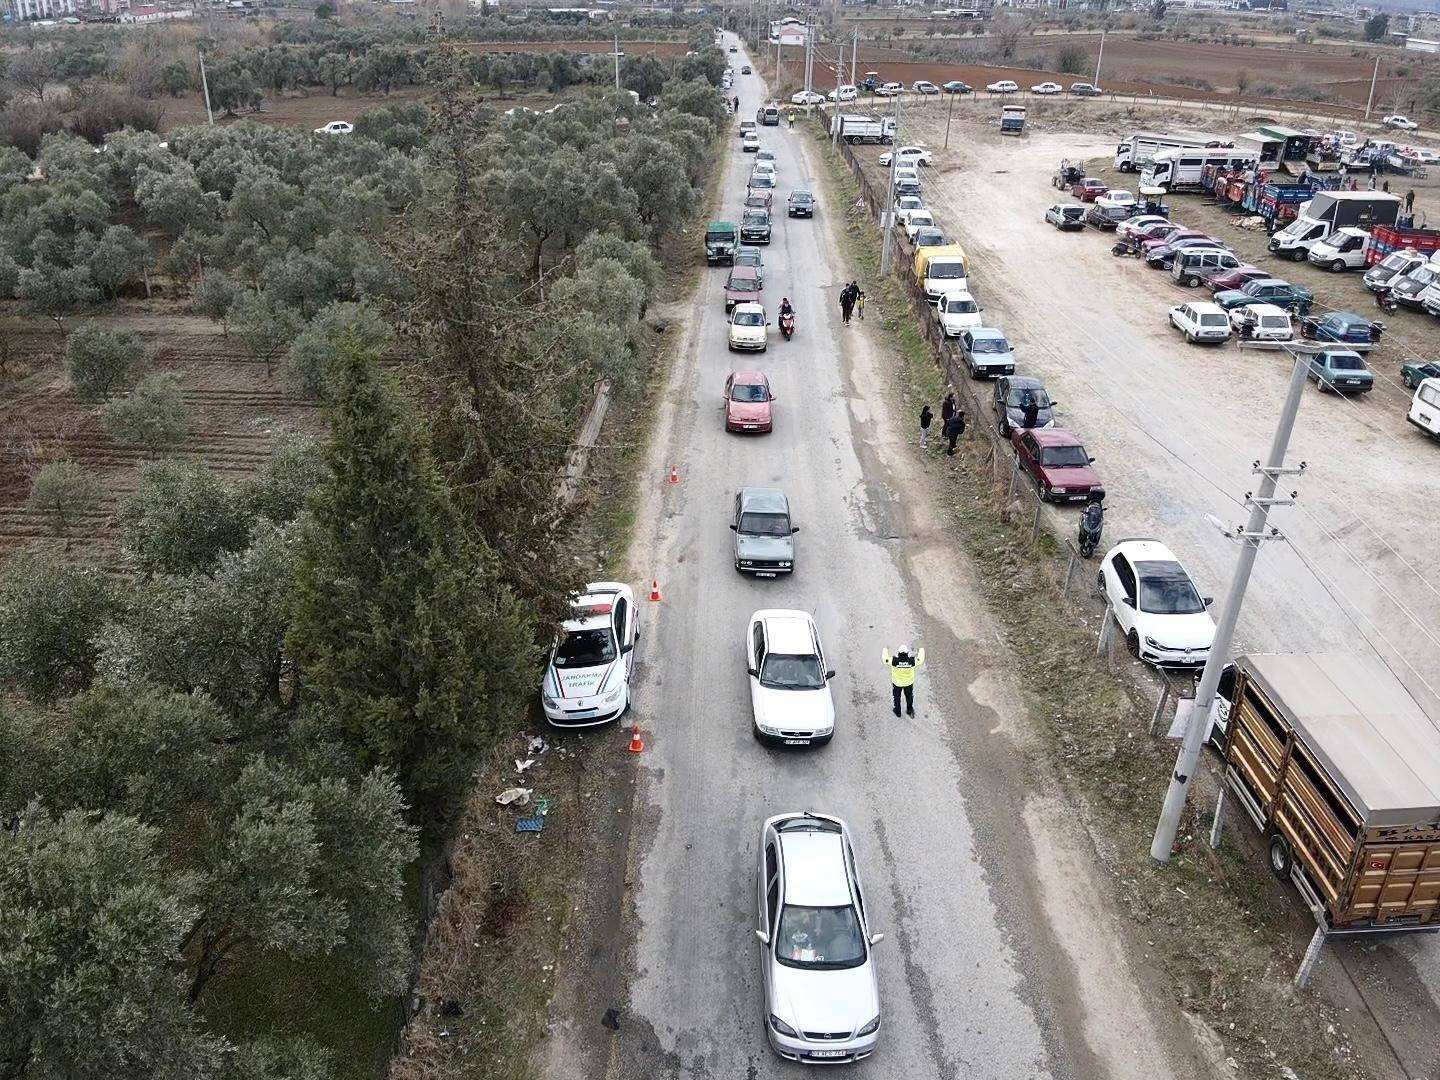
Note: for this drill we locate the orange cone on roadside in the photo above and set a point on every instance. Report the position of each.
(655, 590)
(636, 743)
(674, 474)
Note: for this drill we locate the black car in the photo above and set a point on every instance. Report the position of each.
(1009, 402)
(800, 204)
(1085, 89)
(755, 227)
(1106, 218)
(745, 70)
(955, 86)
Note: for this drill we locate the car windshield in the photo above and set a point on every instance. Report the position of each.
(748, 318)
(963, 306)
(990, 345)
(763, 524)
(1394, 261)
(800, 196)
(819, 937)
(928, 237)
(585, 648)
(1020, 396)
(744, 285)
(785, 672)
(1166, 590)
(1062, 456)
(1346, 362)
(946, 271)
(749, 391)
(756, 219)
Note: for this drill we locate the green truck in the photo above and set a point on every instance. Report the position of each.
(721, 240)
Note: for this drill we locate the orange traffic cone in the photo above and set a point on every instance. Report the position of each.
(674, 474)
(655, 589)
(636, 743)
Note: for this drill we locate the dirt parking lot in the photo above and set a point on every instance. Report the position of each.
(1175, 428)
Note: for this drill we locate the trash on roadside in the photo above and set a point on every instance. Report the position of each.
(543, 803)
(517, 795)
(537, 745)
(611, 1019)
(529, 824)
(521, 766)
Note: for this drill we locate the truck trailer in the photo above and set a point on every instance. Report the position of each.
(855, 128)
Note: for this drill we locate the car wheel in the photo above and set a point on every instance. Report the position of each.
(1280, 857)
(1298, 255)
(1192, 281)
(1409, 382)
(1132, 642)
(1004, 429)
(1337, 265)
(1040, 491)
(1100, 581)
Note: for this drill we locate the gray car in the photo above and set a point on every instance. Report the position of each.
(1012, 392)
(987, 352)
(764, 534)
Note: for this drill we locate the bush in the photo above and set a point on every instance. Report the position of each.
(51, 612)
(23, 124)
(107, 110)
(154, 414)
(1073, 59)
(183, 518)
(62, 493)
(102, 361)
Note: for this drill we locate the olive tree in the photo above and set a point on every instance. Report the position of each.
(102, 361)
(52, 610)
(154, 414)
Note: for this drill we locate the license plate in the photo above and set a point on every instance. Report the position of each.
(1352, 382)
(806, 742)
(829, 1053)
(749, 427)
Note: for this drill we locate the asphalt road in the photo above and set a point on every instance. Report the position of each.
(973, 981)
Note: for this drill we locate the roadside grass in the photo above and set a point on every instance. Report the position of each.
(1224, 932)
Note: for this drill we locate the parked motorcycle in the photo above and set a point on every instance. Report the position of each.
(1385, 302)
(1126, 247)
(1092, 521)
(787, 325)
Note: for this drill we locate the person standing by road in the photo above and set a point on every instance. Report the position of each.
(954, 428)
(847, 304)
(1410, 202)
(926, 417)
(903, 666)
(947, 407)
(1030, 411)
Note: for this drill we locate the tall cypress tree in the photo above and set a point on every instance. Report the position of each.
(404, 630)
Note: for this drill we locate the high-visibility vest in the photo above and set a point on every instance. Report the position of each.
(902, 672)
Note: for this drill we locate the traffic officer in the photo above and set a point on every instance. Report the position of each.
(903, 666)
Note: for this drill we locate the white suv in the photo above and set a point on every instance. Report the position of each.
(1165, 620)
(1201, 322)
(587, 679)
(909, 156)
(789, 683)
(817, 968)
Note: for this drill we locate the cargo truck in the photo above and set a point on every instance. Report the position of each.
(940, 270)
(855, 128)
(1012, 120)
(1331, 210)
(721, 240)
(1338, 767)
(1386, 239)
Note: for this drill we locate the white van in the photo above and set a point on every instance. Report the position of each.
(1343, 249)
(844, 93)
(1425, 408)
(1193, 265)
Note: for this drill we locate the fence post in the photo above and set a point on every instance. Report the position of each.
(1035, 526)
(1069, 568)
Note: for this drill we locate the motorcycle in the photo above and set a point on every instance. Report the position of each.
(787, 324)
(1126, 247)
(1385, 302)
(1092, 520)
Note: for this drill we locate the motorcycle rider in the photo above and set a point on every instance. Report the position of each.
(785, 308)
(787, 317)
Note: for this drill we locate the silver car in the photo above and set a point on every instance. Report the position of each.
(822, 1003)
(764, 534)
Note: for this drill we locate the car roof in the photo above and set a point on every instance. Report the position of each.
(986, 332)
(748, 378)
(592, 608)
(738, 273)
(765, 500)
(757, 309)
(1054, 437)
(787, 631)
(1347, 317)
(1145, 550)
(1265, 309)
(1204, 307)
(1268, 281)
(1023, 382)
(815, 874)
(1342, 352)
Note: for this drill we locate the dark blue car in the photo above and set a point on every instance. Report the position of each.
(1351, 329)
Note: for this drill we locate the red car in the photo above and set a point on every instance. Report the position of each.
(1088, 189)
(1057, 462)
(1150, 245)
(748, 402)
(1161, 230)
(742, 287)
(1235, 279)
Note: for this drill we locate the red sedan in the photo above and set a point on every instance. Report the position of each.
(1056, 460)
(742, 287)
(1089, 189)
(1235, 279)
(748, 402)
(1150, 245)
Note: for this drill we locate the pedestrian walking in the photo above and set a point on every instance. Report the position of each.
(1354, 184)
(1370, 186)
(847, 304)
(903, 666)
(926, 416)
(1410, 201)
(1344, 173)
(860, 302)
(947, 407)
(954, 428)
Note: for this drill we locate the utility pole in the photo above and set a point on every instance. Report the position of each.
(617, 59)
(1100, 56)
(948, 113)
(779, 33)
(890, 197)
(205, 85)
(809, 51)
(1374, 77)
(1253, 535)
(854, 55)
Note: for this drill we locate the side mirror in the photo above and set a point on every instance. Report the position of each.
(1129, 601)
(830, 674)
(875, 939)
(1207, 600)
(734, 527)
(1092, 461)
(626, 648)
(753, 673)
(794, 528)
(763, 936)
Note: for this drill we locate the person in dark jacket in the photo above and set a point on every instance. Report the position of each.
(926, 416)
(1030, 411)
(954, 428)
(947, 407)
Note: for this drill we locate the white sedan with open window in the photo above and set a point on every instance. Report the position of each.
(1161, 614)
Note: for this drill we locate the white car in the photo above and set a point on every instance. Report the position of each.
(807, 97)
(1116, 200)
(750, 144)
(924, 86)
(1165, 620)
(817, 971)
(336, 127)
(957, 312)
(916, 220)
(906, 174)
(1400, 123)
(846, 92)
(905, 204)
(889, 89)
(789, 682)
(908, 156)
(1346, 139)
(1201, 321)
(1131, 226)
(749, 331)
(592, 662)
(1267, 322)
(1004, 86)
(763, 167)
(1047, 88)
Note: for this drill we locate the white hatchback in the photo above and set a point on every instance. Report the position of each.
(1201, 322)
(957, 312)
(336, 127)
(1163, 617)
(817, 967)
(749, 332)
(844, 93)
(1266, 322)
(789, 682)
(592, 662)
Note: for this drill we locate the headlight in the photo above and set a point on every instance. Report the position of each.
(747, 562)
(1155, 644)
(785, 565)
(870, 1028)
(1060, 490)
(548, 701)
(614, 695)
(782, 1027)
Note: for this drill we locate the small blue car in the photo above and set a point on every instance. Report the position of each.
(1354, 330)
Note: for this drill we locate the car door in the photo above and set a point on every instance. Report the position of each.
(1002, 390)
(1029, 454)
(757, 652)
(625, 634)
(769, 913)
(1120, 587)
